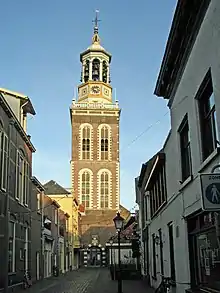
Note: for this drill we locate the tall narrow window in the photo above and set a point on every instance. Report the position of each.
(26, 249)
(11, 248)
(22, 179)
(185, 149)
(26, 183)
(209, 130)
(172, 258)
(154, 256)
(95, 69)
(4, 165)
(104, 72)
(86, 71)
(104, 143)
(85, 189)
(86, 143)
(104, 190)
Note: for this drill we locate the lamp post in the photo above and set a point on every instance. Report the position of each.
(119, 221)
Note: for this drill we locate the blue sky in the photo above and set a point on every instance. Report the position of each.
(39, 56)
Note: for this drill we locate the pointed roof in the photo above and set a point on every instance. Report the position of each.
(96, 42)
(52, 188)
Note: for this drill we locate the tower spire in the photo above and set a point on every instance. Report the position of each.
(95, 38)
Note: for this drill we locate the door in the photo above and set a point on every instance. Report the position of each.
(94, 256)
(172, 258)
(37, 266)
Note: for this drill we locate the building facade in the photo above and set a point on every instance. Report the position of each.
(95, 149)
(69, 204)
(183, 236)
(37, 225)
(51, 237)
(15, 187)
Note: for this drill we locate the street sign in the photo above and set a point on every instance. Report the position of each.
(210, 185)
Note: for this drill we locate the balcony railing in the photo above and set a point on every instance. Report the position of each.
(94, 106)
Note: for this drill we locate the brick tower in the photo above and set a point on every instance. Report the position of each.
(95, 150)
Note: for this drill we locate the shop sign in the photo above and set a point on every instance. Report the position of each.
(210, 186)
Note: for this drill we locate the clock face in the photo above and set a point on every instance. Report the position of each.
(95, 89)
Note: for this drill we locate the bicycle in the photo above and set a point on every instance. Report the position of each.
(165, 285)
(27, 283)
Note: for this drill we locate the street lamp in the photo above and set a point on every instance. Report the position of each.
(119, 221)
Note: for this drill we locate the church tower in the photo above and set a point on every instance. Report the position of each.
(95, 144)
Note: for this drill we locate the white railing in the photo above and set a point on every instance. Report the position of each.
(94, 106)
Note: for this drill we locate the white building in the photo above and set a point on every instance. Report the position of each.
(181, 239)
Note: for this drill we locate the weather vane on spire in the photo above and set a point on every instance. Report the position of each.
(95, 21)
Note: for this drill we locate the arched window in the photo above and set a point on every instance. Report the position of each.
(104, 72)
(86, 71)
(104, 190)
(86, 142)
(104, 141)
(86, 178)
(95, 69)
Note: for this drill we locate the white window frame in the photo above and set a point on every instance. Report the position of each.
(109, 187)
(16, 173)
(82, 126)
(4, 161)
(19, 178)
(99, 141)
(26, 183)
(22, 179)
(90, 189)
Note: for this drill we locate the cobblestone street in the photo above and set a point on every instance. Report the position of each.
(87, 281)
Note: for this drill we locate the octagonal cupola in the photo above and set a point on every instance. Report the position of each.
(95, 59)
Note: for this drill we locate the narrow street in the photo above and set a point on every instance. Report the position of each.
(87, 281)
